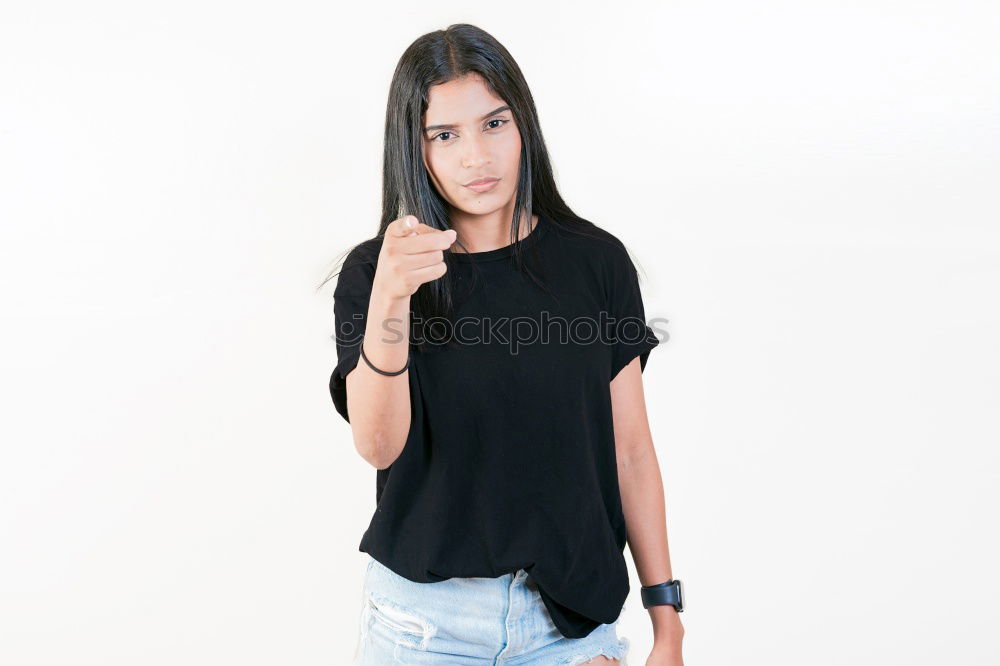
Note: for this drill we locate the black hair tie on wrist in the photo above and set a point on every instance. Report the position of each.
(383, 372)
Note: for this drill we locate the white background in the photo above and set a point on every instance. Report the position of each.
(809, 189)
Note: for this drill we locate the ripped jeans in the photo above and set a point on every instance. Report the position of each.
(474, 621)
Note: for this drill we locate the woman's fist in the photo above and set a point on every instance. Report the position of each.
(412, 254)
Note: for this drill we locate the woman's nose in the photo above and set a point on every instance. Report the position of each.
(475, 153)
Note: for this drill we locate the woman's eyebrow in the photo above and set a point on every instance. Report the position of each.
(491, 113)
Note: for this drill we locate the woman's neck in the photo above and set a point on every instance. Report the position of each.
(483, 233)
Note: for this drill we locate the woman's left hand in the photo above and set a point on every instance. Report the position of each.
(668, 634)
(665, 654)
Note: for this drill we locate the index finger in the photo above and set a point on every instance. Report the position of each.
(433, 239)
(399, 228)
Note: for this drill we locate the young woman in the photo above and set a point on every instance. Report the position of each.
(490, 348)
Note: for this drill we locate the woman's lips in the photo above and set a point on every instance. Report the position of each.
(485, 186)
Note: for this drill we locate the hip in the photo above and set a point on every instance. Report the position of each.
(500, 620)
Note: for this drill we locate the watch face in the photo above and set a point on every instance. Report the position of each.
(680, 594)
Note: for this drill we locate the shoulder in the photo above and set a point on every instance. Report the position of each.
(364, 253)
(357, 271)
(363, 257)
(594, 244)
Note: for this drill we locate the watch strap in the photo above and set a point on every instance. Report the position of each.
(669, 593)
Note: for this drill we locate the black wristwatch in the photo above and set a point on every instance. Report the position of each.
(670, 593)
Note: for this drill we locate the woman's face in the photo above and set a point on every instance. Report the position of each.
(470, 134)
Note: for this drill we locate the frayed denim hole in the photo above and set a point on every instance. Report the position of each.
(581, 659)
(410, 628)
(619, 652)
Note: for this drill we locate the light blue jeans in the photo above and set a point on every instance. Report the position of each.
(474, 621)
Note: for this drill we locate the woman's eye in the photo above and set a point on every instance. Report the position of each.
(447, 135)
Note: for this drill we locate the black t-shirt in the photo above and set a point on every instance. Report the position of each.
(510, 459)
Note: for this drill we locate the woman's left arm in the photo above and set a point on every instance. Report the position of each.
(643, 506)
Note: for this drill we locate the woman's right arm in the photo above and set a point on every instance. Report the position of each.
(379, 405)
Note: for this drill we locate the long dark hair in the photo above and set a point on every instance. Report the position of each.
(438, 57)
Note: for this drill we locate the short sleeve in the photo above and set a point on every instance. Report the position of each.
(350, 315)
(631, 335)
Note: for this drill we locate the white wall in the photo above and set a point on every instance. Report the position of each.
(810, 188)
